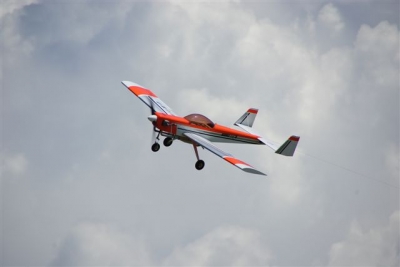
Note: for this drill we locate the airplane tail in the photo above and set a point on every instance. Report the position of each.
(286, 149)
(247, 119)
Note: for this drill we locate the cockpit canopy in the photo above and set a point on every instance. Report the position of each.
(199, 119)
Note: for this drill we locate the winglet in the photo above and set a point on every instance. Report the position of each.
(288, 148)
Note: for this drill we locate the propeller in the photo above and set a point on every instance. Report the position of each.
(153, 137)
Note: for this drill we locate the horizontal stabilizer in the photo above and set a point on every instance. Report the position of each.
(287, 149)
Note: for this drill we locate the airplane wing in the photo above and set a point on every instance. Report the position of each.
(148, 97)
(226, 156)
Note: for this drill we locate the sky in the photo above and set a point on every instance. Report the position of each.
(80, 185)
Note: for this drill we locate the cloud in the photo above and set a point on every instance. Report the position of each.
(373, 247)
(14, 165)
(13, 41)
(228, 109)
(392, 160)
(224, 246)
(95, 244)
(9, 6)
(85, 139)
(377, 50)
(330, 17)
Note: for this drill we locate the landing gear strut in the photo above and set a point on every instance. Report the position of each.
(156, 146)
(199, 163)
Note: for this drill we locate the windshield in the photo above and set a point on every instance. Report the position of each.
(199, 119)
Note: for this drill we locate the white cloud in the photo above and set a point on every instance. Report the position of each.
(392, 160)
(72, 23)
(213, 58)
(379, 40)
(373, 247)
(224, 246)
(13, 41)
(377, 51)
(323, 82)
(9, 6)
(201, 100)
(97, 244)
(330, 16)
(15, 165)
(288, 185)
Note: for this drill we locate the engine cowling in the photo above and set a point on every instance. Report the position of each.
(152, 118)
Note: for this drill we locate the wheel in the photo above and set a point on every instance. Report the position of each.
(155, 147)
(200, 164)
(168, 141)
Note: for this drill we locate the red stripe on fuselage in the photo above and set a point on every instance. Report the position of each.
(219, 129)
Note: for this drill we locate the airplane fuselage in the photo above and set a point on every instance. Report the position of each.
(175, 127)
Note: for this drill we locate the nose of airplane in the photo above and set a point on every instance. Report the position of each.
(152, 118)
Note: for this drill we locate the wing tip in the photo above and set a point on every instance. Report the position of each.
(138, 89)
(129, 84)
(253, 171)
(243, 166)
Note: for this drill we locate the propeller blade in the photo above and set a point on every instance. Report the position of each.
(153, 137)
(152, 118)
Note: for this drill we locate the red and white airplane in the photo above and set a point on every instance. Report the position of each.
(198, 130)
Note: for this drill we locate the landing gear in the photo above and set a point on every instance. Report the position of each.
(155, 147)
(199, 164)
(168, 141)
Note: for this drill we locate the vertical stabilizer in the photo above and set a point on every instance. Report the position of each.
(288, 148)
(247, 119)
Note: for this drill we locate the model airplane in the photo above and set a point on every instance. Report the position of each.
(198, 130)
